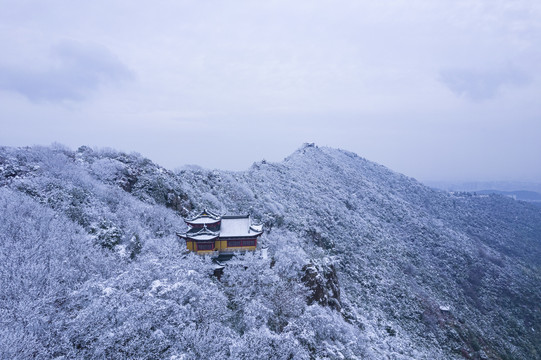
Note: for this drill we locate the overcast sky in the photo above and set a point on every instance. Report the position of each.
(437, 90)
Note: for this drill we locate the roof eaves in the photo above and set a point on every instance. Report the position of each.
(205, 213)
(235, 216)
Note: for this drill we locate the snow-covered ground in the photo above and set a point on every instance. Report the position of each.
(359, 262)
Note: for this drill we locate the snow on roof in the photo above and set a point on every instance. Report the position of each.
(204, 217)
(203, 237)
(233, 226)
(202, 220)
(256, 228)
(203, 234)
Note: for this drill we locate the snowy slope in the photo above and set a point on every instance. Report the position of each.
(404, 250)
(363, 262)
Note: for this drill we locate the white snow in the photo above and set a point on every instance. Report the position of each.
(107, 291)
(235, 227)
(203, 237)
(203, 220)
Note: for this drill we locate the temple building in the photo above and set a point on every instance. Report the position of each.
(213, 234)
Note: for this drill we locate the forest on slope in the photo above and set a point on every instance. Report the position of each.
(363, 262)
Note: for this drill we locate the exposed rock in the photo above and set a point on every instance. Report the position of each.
(322, 280)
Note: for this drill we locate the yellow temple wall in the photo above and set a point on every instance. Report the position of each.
(219, 245)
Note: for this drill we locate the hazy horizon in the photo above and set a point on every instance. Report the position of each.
(443, 184)
(439, 91)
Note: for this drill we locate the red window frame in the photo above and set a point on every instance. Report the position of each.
(241, 243)
(205, 246)
(234, 243)
(248, 242)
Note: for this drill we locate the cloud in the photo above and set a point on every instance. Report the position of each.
(480, 85)
(75, 70)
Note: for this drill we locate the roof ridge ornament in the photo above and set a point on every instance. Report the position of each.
(205, 214)
(205, 231)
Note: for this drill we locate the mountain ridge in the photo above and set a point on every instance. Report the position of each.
(420, 273)
(436, 211)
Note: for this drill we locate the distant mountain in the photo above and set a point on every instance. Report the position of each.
(529, 196)
(363, 262)
(523, 191)
(485, 185)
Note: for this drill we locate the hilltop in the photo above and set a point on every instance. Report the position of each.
(363, 262)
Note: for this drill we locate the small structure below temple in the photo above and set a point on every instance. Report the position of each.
(213, 234)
